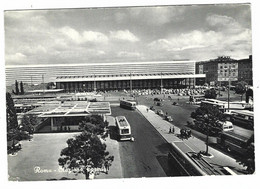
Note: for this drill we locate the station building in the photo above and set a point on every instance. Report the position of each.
(130, 75)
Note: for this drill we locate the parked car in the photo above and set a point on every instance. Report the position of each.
(168, 118)
(160, 112)
(159, 103)
(157, 99)
(185, 133)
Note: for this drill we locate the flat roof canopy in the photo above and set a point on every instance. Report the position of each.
(45, 91)
(78, 109)
(128, 77)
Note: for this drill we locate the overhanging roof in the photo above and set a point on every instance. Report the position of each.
(128, 77)
(78, 109)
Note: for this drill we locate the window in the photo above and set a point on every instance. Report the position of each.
(124, 131)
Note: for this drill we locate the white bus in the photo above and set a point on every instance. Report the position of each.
(123, 128)
(128, 104)
(213, 102)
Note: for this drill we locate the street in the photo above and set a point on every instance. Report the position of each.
(147, 155)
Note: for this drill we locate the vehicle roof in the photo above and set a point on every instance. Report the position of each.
(122, 121)
(244, 112)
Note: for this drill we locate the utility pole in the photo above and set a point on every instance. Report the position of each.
(229, 86)
(161, 84)
(95, 87)
(43, 86)
(130, 83)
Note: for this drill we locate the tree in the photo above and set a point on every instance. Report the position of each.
(16, 88)
(50, 85)
(11, 118)
(85, 153)
(249, 93)
(241, 87)
(211, 93)
(29, 123)
(12, 129)
(206, 118)
(94, 124)
(21, 88)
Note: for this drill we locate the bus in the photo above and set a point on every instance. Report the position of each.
(196, 99)
(183, 161)
(234, 142)
(128, 104)
(243, 118)
(213, 102)
(123, 128)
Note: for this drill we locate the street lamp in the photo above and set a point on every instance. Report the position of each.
(161, 84)
(207, 139)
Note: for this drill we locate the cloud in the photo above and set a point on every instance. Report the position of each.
(16, 58)
(86, 36)
(129, 54)
(195, 44)
(224, 23)
(193, 39)
(124, 35)
(157, 15)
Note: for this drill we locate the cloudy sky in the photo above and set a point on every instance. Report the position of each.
(63, 36)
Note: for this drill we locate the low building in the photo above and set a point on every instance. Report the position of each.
(133, 75)
(67, 116)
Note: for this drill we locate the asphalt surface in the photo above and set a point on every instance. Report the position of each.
(147, 155)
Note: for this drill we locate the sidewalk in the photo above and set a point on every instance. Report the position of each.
(115, 171)
(195, 144)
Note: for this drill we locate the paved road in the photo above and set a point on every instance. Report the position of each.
(147, 155)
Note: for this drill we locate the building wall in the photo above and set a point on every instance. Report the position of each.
(218, 71)
(125, 84)
(245, 70)
(33, 73)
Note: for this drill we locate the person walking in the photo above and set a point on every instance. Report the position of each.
(173, 129)
(106, 166)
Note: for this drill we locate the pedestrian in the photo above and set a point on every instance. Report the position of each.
(106, 166)
(166, 113)
(170, 130)
(173, 129)
(147, 109)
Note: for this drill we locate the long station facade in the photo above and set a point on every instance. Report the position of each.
(132, 75)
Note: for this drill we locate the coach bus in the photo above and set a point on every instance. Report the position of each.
(183, 161)
(123, 128)
(243, 118)
(234, 142)
(213, 102)
(128, 104)
(196, 99)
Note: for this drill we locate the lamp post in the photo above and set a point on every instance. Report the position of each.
(95, 87)
(161, 84)
(207, 139)
(131, 83)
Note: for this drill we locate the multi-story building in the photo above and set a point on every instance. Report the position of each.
(219, 71)
(245, 71)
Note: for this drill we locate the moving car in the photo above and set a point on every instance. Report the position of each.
(168, 118)
(160, 112)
